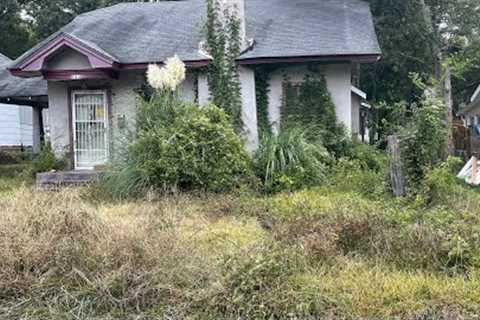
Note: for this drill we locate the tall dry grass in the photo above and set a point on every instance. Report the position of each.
(57, 252)
(309, 255)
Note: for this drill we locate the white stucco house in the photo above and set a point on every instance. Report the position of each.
(95, 65)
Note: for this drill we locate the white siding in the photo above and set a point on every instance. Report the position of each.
(16, 125)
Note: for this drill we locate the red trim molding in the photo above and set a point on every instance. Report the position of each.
(36, 61)
(367, 58)
(67, 75)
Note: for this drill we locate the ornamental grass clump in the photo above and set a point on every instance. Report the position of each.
(178, 145)
(289, 160)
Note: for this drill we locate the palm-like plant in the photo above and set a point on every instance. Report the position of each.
(290, 160)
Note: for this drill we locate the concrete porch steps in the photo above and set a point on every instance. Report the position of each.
(56, 180)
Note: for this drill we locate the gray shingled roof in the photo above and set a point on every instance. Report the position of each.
(14, 87)
(151, 32)
(285, 28)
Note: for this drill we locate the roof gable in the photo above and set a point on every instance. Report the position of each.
(36, 60)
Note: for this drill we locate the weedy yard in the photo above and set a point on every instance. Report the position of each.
(342, 251)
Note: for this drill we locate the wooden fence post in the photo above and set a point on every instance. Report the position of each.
(397, 179)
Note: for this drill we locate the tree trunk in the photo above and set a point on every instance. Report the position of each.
(447, 96)
(397, 179)
(442, 72)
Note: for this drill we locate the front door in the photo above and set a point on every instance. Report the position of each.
(90, 124)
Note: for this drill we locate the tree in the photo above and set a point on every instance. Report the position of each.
(436, 39)
(15, 36)
(402, 36)
(451, 26)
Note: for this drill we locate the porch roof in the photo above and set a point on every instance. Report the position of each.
(15, 88)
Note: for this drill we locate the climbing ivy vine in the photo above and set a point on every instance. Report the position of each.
(224, 45)
(262, 77)
(309, 104)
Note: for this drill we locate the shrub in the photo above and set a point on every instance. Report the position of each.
(199, 149)
(423, 141)
(351, 176)
(180, 146)
(367, 156)
(441, 186)
(46, 161)
(290, 161)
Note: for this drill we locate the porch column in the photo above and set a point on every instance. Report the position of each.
(203, 90)
(37, 125)
(249, 107)
(275, 94)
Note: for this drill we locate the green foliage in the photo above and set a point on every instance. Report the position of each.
(441, 186)
(363, 170)
(369, 157)
(352, 176)
(261, 91)
(320, 253)
(46, 161)
(223, 41)
(327, 223)
(388, 119)
(15, 37)
(423, 140)
(180, 146)
(311, 106)
(290, 160)
(255, 286)
(403, 51)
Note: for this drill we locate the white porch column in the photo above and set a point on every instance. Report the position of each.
(275, 94)
(203, 90)
(249, 107)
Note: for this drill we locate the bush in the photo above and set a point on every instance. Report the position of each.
(46, 161)
(180, 146)
(351, 176)
(367, 156)
(423, 141)
(289, 161)
(363, 170)
(441, 186)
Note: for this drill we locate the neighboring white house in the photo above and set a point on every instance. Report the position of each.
(471, 113)
(95, 65)
(23, 102)
(16, 126)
